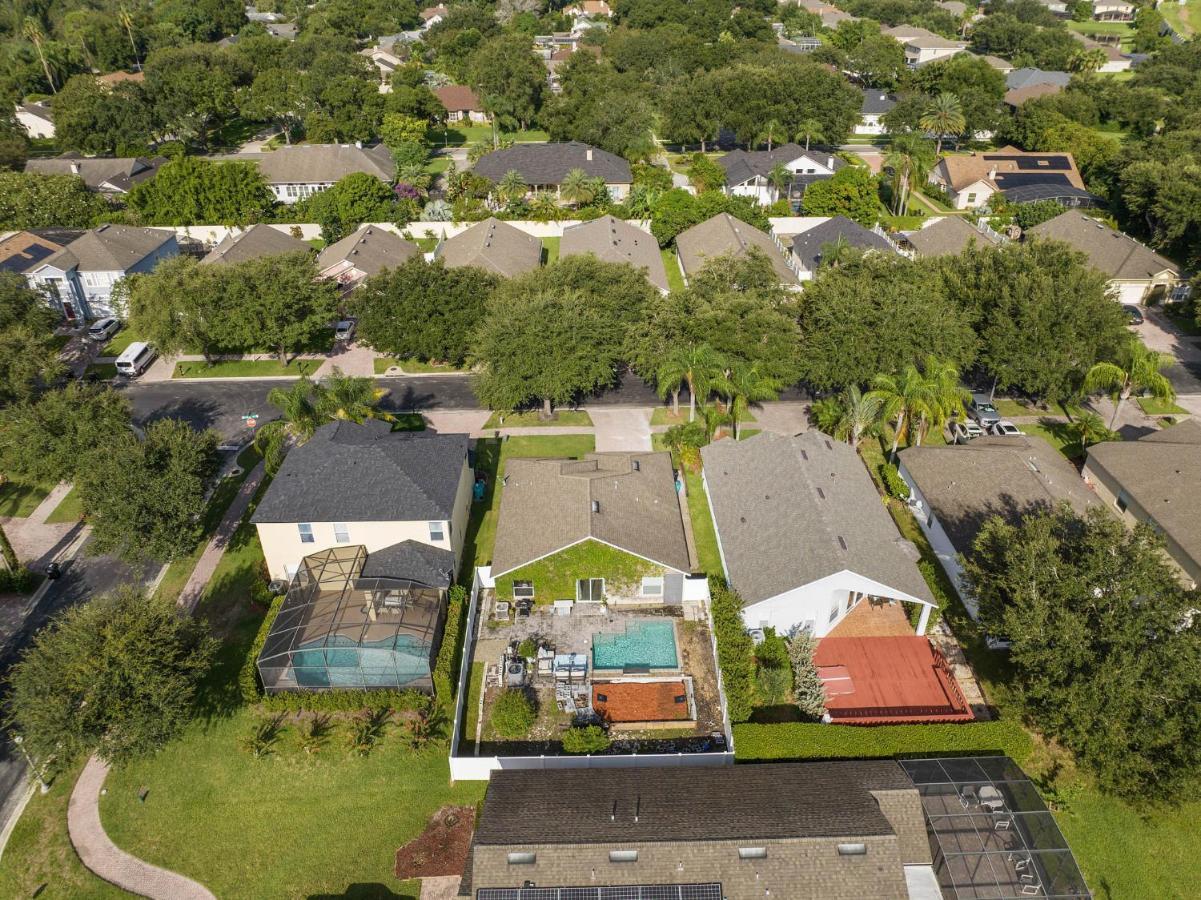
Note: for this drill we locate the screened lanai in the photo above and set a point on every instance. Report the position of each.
(338, 629)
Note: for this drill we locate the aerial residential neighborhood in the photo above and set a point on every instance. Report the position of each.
(600, 450)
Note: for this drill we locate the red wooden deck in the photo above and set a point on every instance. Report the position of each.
(888, 681)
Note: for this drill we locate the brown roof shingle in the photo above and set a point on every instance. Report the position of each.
(494, 246)
(724, 235)
(612, 240)
(1113, 253)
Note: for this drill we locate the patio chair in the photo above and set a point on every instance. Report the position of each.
(1029, 879)
(1002, 824)
(1032, 890)
(968, 798)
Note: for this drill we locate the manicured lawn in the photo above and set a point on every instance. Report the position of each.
(675, 278)
(533, 419)
(120, 341)
(550, 249)
(460, 134)
(437, 164)
(235, 133)
(703, 533)
(471, 708)
(101, 371)
(1057, 434)
(69, 509)
(1153, 406)
(18, 498)
(410, 366)
(1007, 407)
(1183, 19)
(662, 415)
(427, 244)
(245, 368)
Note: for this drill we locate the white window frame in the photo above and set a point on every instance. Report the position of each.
(835, 609)
(623, 856)
(306, 532)
(652, 585)
(752, 853)
(523, 590)
(341, 533)
(437, 530)
(591, 592)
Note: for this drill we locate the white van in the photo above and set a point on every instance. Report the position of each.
(136, 359)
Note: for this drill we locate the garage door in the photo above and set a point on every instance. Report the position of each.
(1131, 292)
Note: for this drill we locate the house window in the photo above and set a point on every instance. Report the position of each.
(652, 586)
(341, 532)
(522, 858)
(437, 531)
(306, 532)
(834, 607)
(523, 590)
(752, 853)
(620, 856)
(590, 589)
(1121, 502)
(852, 849)
(971, 198)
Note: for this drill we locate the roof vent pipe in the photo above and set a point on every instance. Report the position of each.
(596, 506)
(637, 465)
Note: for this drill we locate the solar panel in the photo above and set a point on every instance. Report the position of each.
(607, 892)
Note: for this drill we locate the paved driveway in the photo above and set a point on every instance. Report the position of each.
(1159, 333)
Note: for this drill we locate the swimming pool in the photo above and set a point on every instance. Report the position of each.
(646, 644)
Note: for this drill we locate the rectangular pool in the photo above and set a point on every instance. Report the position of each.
(646, 644)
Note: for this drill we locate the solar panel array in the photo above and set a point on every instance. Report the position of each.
(607, 892)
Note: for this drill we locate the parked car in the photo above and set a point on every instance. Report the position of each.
(344, 330)
(982, 410)
(136, 359)
(104, 329)
(962, 432)
(1005, 428)
(1133, 313)
(997, 642)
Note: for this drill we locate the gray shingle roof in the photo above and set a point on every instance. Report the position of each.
(366, 473)
(948, 236)
(1111, 252)
(689, 803)
(110, 248)
(319, 163)
(1027, 77)
(990, 476)
(612, 240)
(807, 246)
(495, 246)
(550, 163)
(793, 510)
(724, 235)
(743, 165)
(118, 175)
(371, 249)
(413, 560)
(255, 242)
(547, 506)
(877, 102)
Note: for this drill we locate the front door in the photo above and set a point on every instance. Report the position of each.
(69, 310)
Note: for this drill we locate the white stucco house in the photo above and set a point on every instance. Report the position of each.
(803, 535)
(748, 172)
(296, 172)
(875, 104)
(404, 496)
(36, 119)
(923, 46)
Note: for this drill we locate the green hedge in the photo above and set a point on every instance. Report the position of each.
(249, 683)
(446, 667)
(796, 740)
(735, 650)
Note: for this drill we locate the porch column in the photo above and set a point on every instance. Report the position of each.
(924, 620)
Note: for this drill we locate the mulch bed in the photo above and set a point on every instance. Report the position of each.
(442, 848)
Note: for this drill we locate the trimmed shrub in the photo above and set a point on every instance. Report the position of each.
(735, 651)
(343, 701)
(513, 714)
(249, 683)
(589, 739)
(22, 581)
(893, 482)
(446, 667)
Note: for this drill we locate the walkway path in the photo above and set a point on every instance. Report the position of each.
(50, 503)
(622, 429)
(207, 565)
(110, 862)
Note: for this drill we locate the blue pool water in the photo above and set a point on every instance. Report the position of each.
(651, 644)
(337, 661)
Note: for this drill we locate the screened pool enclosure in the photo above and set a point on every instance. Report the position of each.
(338, 629)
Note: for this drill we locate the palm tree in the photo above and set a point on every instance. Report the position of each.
(699, 366)
(747, 386)
(126, 21)
(1142, 373)
(543, 207)
(512, 186)
(837, 252)
(298, 420)
(1087, 59)
(910, 157)
(810, 130)
(860, 414)
(947, 394)
(904, 398)
(943, 116)
(342, 396)
(34, 34)
(770, 134)
(1090, 429)
(780, 178)
(577, 188)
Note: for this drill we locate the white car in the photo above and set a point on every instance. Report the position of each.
(344, 330)
(103, 329)
(962, 432)
(1005, 428)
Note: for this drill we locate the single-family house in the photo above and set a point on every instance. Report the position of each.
(364, 253)
(830, 14)
(801, 44)
(1056, 7)
(612, 240)
(1021, 176)
(114, 78)
(1113, 11)
(544, 166)
(749, 172)
(589, 9)
(607, 527)
(461, 103)
(1115, 59)
(1156, 479)
(37, 119)
(494, 246)
(432, 15)
(105, 175)
(255, 242)
(79, 279)
(1028, 77)
(875, 104)
(810, 246)
(21, 251)
(946, 236)
(386, 59)
(1137, 274)
(293, 173)
(724, 235)
(402, 495)
(955, 7)
(803, 535)
(923, 46)
(955, 489)
(801, 831)
(1015, 97)
(1003, 66)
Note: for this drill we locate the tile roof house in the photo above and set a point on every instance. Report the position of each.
(79, 279)
(432, 15)
(1156, 479)
(36, 118)
(366, 252)
(104, 175)
(875, 104)
(803, 534)
(404, 496)
(803, 831)
(809, 246)
(946, 236)
(544, 166)
(461, 103)
(1137, 274)
(1115, 59)
(617, 506)
(748, 172)
(955, 489)
(255, 242)
(494, 246)
(589, 9)
(1015, 97)
(724, 235)
(295, 172)
(612, 240)
(923, 46)
(969, 181)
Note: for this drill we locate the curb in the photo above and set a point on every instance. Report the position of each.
(11, 824)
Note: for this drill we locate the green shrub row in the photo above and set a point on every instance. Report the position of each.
(21, 581)
(446, 666)
(249, 683)
(342, 701)
(893, 482)
(735, 650)
(797, 740)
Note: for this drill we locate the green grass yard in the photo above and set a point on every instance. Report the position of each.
(1183, 17)
(550, 249)
(703, 533)
(245, 368)
(675, 278)
(69, 509)
(437, 164)
(411, 366)
(100, 371)
(120, 341)
(19, 498)
(459, 134)
(1153, 406)
(533, 419)
(663, 415)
